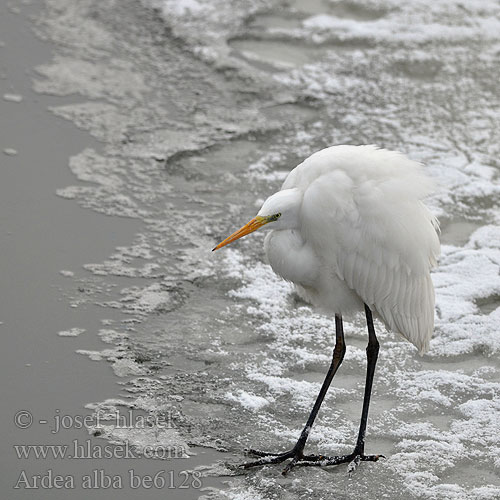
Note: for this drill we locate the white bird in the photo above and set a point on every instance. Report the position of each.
(350, 230)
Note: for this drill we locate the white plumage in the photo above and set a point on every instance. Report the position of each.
(349, 227)
(350, 230)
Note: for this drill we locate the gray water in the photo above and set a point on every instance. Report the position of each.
(198, 110)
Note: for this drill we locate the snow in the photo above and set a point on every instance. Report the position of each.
(73, 332)
(185, 7)
(248, 400)
(13, 97)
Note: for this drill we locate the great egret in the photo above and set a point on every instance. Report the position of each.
(350, 230)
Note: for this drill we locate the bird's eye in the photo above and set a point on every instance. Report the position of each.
(278, 215)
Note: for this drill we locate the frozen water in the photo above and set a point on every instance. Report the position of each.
(201, 107)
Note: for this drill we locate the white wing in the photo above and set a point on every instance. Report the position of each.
(366, 222)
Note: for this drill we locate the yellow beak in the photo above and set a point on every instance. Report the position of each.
(248, 228)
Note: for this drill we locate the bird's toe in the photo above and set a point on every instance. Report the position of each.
(353, 464)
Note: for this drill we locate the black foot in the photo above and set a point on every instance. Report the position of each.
(298, 458)
(276, 458)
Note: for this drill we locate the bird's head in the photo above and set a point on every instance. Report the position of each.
(279, 211)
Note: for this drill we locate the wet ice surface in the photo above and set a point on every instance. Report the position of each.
(202, 108)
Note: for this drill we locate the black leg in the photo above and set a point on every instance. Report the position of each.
(338, 356)
(357, 456)
(297, 453)
(371, 356)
